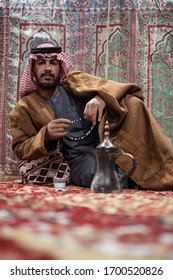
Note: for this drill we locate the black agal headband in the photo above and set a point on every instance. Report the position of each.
(57, 49)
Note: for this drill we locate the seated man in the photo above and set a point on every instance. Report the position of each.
(57, 113)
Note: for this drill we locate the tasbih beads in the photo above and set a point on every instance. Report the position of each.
(80, 137)
(76, 120)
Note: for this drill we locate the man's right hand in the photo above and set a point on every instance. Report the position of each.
(57, 128)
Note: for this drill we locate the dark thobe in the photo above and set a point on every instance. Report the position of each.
(82, 166)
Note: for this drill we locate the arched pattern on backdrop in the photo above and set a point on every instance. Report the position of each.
(127, 41)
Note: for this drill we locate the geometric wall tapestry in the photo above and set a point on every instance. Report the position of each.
(126, 41)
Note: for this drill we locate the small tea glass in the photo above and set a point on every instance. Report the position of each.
(59, 183)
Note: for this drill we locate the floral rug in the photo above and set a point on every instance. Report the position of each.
(37, 222)
(125, 41)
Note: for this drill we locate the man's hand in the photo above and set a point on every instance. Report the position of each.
(94, 109)
(57, 128)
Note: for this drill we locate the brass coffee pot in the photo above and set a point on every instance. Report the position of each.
(106, 179)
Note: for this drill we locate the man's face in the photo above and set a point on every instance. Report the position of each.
(47, 72)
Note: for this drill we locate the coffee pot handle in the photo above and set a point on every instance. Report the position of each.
(132, 169)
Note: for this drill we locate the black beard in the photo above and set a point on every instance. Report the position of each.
(47, 85)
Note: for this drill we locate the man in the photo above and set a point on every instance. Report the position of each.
(57, 113)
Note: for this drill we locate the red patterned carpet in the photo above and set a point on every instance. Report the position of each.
(41, 223)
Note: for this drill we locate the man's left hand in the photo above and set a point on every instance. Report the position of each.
(94, 109)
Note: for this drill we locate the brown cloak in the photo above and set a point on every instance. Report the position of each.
(132, 128)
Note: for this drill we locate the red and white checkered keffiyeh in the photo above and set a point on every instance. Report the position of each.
(28, 84)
